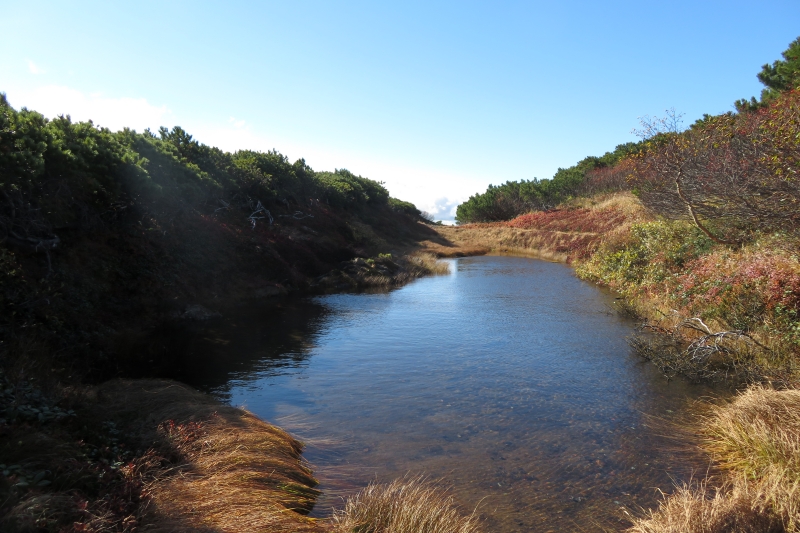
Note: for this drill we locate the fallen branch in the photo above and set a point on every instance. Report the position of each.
(712, 356)
(260, 210)
(698, 325)
(225, 205)
(30, 244)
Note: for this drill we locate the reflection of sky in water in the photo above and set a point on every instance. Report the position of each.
(510, 377)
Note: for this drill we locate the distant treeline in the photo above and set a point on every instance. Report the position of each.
(737, 168)
(513, 198)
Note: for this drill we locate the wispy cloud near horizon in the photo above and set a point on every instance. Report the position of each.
(442, 208)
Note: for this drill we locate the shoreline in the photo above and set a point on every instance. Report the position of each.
(229, 470)
(186, 451)
(751, 438)
(161, 448)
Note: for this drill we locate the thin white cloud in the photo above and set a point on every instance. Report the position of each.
(33, 68)
(112, 113)
(441, 208)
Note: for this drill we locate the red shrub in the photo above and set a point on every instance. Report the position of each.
(571, 220)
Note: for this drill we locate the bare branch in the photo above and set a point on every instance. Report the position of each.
(260, 210)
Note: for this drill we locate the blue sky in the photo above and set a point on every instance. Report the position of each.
(436, 99)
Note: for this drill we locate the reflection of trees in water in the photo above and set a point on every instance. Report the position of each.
(255, 341)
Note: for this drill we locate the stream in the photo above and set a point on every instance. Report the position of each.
(509, 379)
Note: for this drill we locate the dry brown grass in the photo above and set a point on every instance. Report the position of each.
(624, 201)
(413, 266)
(757, 434)
(234, 472)
(570, 233)
(410, 505)
(382, 272)
(494, 238)
(755, 440)
(738, 508)
(205, 466)
(428, 264)
(451, 249)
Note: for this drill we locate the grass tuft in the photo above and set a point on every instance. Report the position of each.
(739, 508)
(755, 440)
(758, 434)
(409, 505)
(228, 471)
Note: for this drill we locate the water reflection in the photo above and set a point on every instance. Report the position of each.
(510, 377)
(256, 343)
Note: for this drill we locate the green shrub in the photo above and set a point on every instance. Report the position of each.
(650, 253)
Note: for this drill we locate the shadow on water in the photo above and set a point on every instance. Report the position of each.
(510, 378)
(257, 342)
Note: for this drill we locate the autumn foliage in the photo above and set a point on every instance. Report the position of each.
(582, 220)
(733, 175)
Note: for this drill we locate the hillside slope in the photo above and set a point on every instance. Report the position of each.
(111, 243)
(104, 236)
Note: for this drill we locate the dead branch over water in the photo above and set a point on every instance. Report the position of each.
(693, 350)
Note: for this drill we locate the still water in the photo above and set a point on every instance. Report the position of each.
(509, 378)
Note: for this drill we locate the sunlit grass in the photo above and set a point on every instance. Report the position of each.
(234, 472)
(758, 434)
(734, 508)
(570, 233)
(755, 440)
(411, 505)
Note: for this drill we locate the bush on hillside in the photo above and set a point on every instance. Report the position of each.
(733, 177)
(57, 174)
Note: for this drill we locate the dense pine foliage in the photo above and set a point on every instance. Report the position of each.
(105, 235)
(57, 174)
(513, 198)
